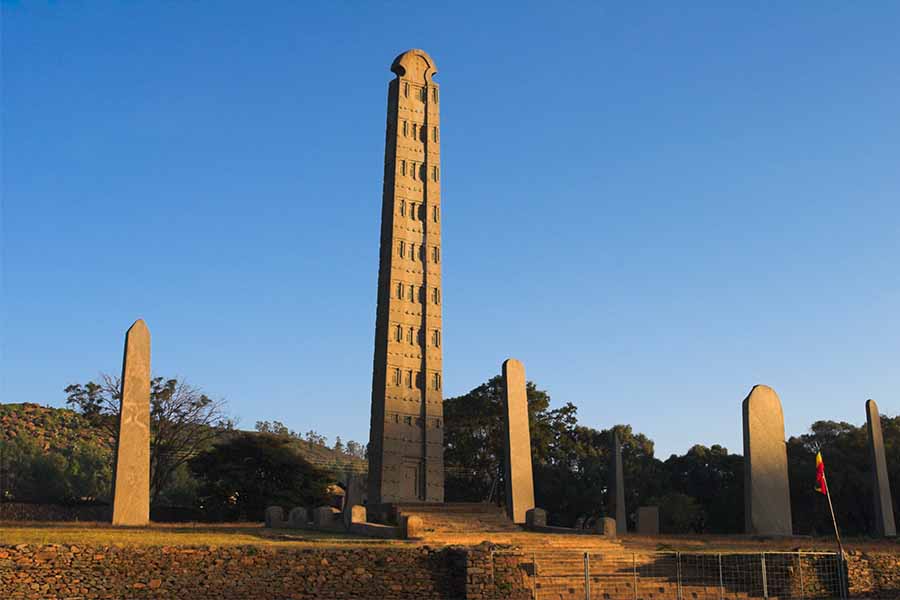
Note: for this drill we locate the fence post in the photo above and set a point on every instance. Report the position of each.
(634, 573)
(765, 583)
(800, 563)
(678, 573)
(587, 576)
(721, 581)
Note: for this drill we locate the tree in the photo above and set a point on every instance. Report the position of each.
(246, 472)
(183, 421)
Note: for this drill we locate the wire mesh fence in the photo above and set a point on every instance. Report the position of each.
(572, 575)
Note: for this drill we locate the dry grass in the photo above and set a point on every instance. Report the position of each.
(174, 535)
(236, 534)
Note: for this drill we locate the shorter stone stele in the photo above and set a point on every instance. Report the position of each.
(298, 518)
(357, 514)
(535, 517)
(648, 520)
(326, 517)
(274, 516)
(606, 527)
(413, 527)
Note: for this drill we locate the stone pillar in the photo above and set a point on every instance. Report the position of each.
(519, 477)
(617, 493)
(131, 478)
(767, 499)
(881, 487)
(648, 520)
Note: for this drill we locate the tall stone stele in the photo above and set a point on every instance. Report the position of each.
(881, 486)
(131, 479)
(617, 493)
(517, 446)
(406, 445)
(767, 499)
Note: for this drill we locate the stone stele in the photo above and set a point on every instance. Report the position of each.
(519, 477)
(767, 500)
(131, 480)
(648, 520)
(881, 487)
(617, 495)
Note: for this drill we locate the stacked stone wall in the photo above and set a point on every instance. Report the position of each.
(874, 574)
(29, 572)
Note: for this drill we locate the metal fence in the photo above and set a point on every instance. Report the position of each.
(573, 575)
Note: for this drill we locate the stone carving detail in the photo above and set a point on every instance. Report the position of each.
(131, 483)
(881, 487)
(406, 463)
(519, 477)
(767, 500)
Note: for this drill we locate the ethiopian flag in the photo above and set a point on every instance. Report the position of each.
(821, 484)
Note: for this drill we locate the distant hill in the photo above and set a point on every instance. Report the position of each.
(50, 428)
(60, 428)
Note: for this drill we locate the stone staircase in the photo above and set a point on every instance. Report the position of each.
(459, 518)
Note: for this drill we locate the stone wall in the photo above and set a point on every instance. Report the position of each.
(873, 574)
(29, 572)
(496, 573)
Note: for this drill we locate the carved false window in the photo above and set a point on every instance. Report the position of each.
(433, 134)
(399, 333)
(437, 381)
(436, 254)
(435, 213)
(397, 377)
(405, 129)
(400, 290)
(402, 249)
(403, 167)
(406, 89)
(403, 208)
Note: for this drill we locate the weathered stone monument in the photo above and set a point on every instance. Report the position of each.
(767, 500)
(519, 477)
(617, 491)
(406, 448)
(131, 478)
(648, 520)
(881, 487)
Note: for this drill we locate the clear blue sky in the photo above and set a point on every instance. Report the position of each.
(653, 205)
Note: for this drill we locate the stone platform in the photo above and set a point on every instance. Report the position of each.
(440, 519)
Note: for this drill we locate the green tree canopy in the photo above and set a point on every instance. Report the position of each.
(247, 472)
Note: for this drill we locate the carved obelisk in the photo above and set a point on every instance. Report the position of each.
(881, 486)
(767, 499)
(406, 443)
(617, 495)
(131, 479)
(519, 476)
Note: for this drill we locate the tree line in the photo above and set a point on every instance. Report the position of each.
(701, 491)
(202, 464)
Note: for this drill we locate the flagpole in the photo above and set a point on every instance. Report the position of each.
(837, 534)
